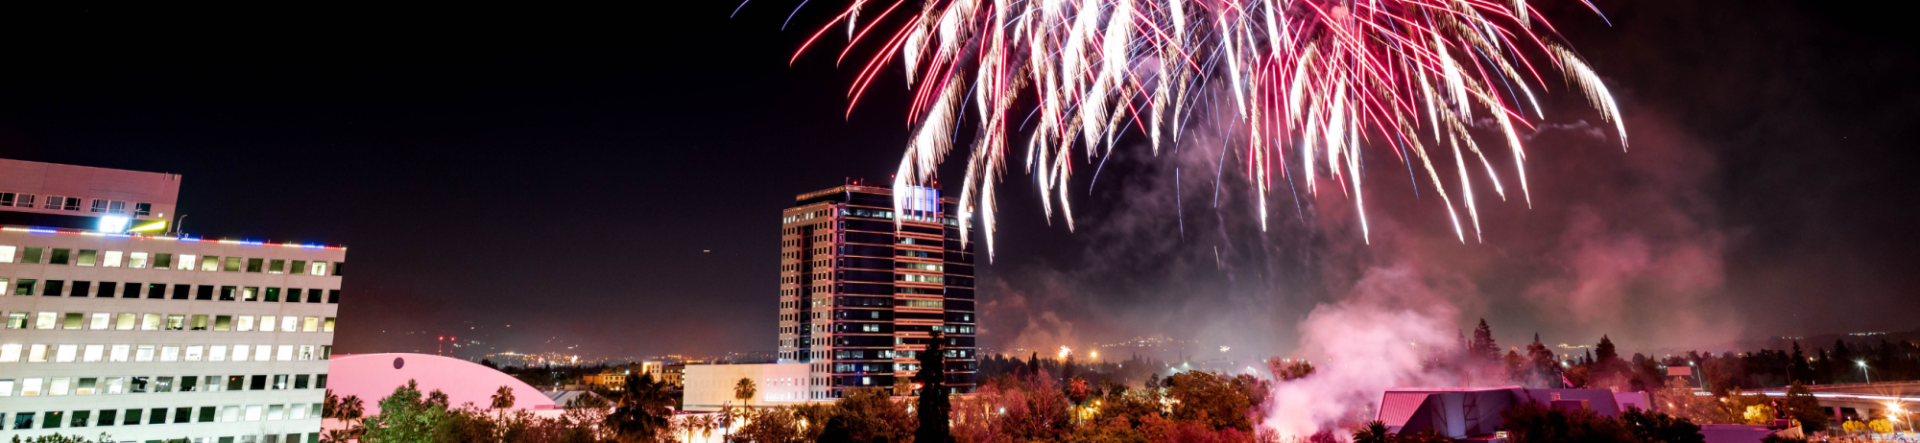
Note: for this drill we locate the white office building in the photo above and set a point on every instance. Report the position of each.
(114, 325)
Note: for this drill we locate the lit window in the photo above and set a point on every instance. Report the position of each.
(250, 294)
(32, 255)
(267, 323)
(10, 353)
(150, 322)
(176, 322)
(307, 324)
(306, 353)
(94, 353)
(186, 262)
(125, 323)
(119, 353)
(169, 353)
(196, 352)
(283, 353)
(88, 257)
(327, 326)
(210, 263)
(142, 209)
(288, 323)
(45, 320)
(6, 254)
(85, 387)
(253, 413)
(16, 320)
(277, 266)
(66, 353)
(318, 268)
(30, 387)
(112, 259)
(143, 353)
(137, 260)
(233, 264)
(72, 320)
(217, 353)
(244, 324)
(240, 352)
(276, 412)
(101, 320)
(37, 354)
(262, 353)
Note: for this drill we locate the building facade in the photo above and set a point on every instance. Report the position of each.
(115, 326)
(863, 288)
(710, 387)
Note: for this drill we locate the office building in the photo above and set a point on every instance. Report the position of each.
(115, 325)
(863, 288)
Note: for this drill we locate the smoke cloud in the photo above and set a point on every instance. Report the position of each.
(1379, 337)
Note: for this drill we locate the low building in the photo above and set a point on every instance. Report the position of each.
(674, 374)
(612, 379)
(1474, 412)
(710, 387)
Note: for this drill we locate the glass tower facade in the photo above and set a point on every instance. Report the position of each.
(863, 288)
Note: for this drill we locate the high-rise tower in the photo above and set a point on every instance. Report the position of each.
(862, 288)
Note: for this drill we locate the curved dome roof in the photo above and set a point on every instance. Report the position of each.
(374, 376)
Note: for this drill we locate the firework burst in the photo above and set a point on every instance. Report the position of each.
(1323, 78)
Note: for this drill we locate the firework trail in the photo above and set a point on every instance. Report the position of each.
(1321, 77)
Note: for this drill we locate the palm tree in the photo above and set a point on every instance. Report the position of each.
(503, 397)
(744, 391)
(706, 426)
(1373, 432)
(348, 411)
(642, 410)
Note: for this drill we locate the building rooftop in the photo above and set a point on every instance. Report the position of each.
(187, 239)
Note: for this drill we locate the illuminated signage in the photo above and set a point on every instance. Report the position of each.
(113, 224)
(923, 199)
(149, 226)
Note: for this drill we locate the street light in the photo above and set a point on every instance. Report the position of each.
(1863, 371)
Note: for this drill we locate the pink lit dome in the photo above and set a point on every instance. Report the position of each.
(374, 376)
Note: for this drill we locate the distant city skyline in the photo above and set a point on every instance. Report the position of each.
(606, 185)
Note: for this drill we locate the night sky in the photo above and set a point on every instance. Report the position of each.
(610, 180)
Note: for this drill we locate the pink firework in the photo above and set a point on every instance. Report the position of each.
(1323, 78)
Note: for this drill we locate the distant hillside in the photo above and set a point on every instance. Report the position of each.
(1808, 343)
